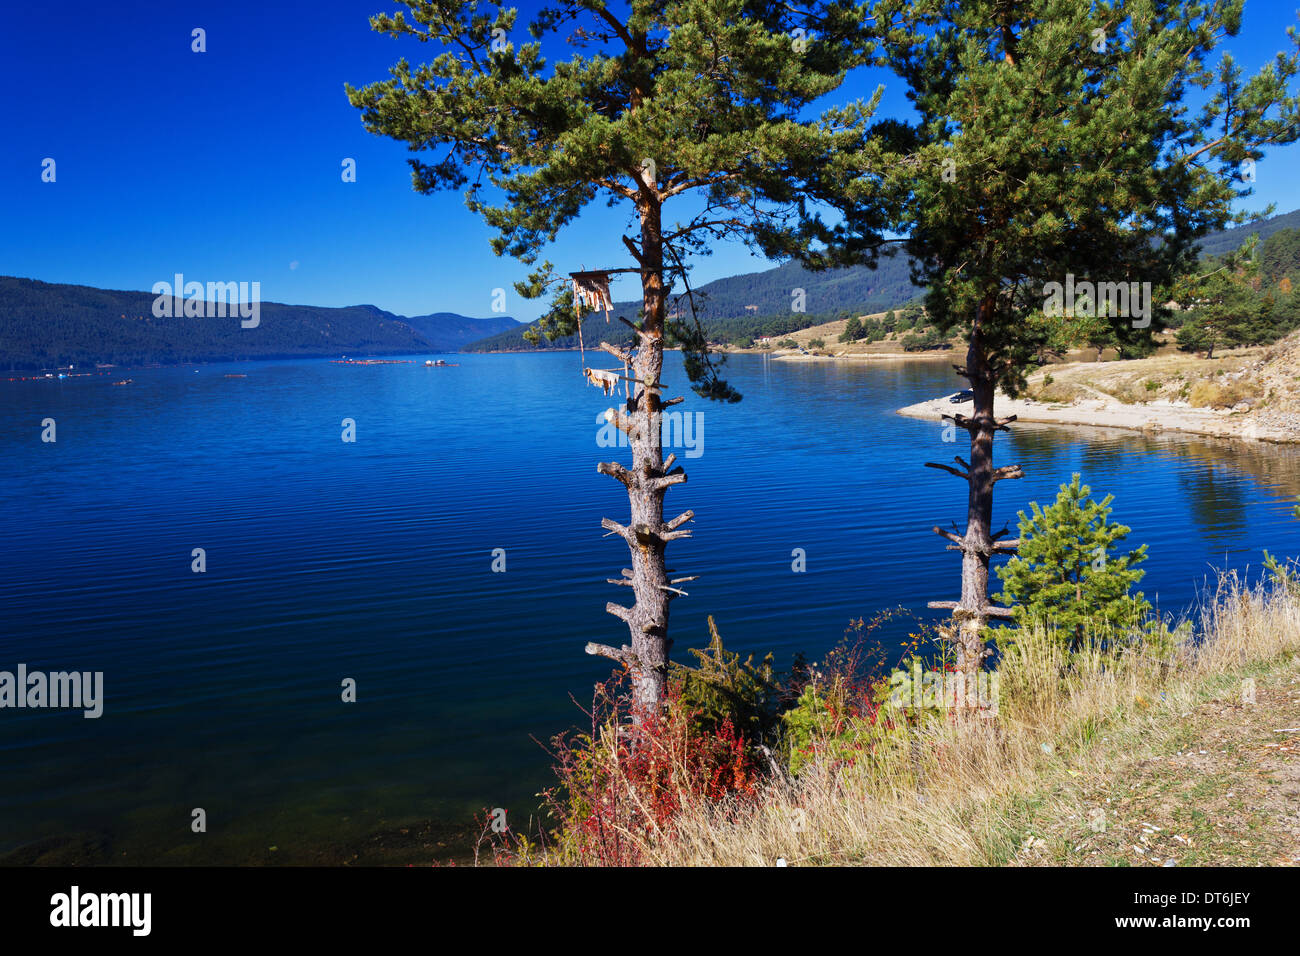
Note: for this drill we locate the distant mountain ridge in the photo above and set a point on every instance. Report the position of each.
(759, 303)
(1217, 243)
(754, 303)
(46, 325)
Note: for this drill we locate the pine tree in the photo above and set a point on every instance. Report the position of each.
(1067, 574)
(656, 105)
(1284, 573)
(1054, 141)
(852, 330)
(1226, 306)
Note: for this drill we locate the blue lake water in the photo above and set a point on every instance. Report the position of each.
(373, 560)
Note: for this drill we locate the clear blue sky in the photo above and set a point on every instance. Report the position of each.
(226, 165)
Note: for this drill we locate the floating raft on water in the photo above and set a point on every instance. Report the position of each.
(372, 361)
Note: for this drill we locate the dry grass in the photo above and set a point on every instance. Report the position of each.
(1059, 393)
(1168, 376)
(1209, 394)
(1007, 790)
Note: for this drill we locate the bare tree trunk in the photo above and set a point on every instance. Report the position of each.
(979, 543)
(647, 534)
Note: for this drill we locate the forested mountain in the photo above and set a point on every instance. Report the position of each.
(743, 307)
(449, 331)
(45, 325)
(753, 304)
(1220, 242)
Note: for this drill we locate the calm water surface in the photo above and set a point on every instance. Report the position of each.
(373, 560)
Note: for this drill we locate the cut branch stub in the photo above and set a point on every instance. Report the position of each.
(955, 539)
(613, 527)
(615, 470)
(949, 469)
(620, 421)
(623, 655)
(961, 421)
(960, 612)
(680, 520)
(675, 477)
(622, 355)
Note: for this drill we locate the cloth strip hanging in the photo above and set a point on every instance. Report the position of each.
(592, 290)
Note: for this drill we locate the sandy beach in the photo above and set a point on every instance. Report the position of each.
(1150, 417)
(1251, 394)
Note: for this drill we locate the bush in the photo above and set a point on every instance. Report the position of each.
(920, 341)
(837, 711)
(618, 788)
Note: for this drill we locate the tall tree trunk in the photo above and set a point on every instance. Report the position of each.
(647, 534)
(979, 543)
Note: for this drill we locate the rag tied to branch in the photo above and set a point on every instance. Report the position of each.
(592, 290)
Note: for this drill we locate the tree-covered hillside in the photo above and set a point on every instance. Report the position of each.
(45, 325)
(1216, 244)
(741, 308)
(746, 306)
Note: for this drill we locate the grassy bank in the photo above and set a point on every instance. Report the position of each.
(1183, 755)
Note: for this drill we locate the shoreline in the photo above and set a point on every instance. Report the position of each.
(1152, 418)
(927, 356)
